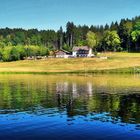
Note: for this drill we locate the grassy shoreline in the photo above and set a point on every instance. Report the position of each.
(116, 63)
(130, 70)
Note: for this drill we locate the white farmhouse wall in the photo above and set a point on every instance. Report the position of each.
(90, 53)
(74, 53)
(62, 56)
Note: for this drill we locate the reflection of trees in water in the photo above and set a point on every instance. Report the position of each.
(130, 108)
(74, 98)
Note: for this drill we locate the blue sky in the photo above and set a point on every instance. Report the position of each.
(51, 14)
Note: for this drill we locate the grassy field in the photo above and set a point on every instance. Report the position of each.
(116, 62)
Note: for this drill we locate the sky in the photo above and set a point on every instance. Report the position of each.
(51, 14)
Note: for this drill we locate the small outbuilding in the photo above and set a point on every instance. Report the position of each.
(62, 54)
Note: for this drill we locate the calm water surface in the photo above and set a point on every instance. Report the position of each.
(42, 107)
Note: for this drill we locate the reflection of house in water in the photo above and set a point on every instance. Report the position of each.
(89, 89)
(74, 90)
(68, 93)
(61, 87)
(85, 89)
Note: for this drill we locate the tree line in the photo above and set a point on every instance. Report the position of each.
(18, 43)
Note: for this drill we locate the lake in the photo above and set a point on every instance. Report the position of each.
(85, 107)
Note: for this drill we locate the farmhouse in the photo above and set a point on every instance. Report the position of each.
(82, 51)
(62, 54)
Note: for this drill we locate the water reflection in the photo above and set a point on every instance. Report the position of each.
(73, 98)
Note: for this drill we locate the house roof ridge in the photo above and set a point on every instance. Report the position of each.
(64, 50)
(81, 47)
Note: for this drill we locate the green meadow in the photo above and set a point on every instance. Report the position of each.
(115, 63)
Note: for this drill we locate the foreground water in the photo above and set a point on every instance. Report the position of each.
(69, 107)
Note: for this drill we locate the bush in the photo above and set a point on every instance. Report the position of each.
(6, 53)
(119, 49)
(13, 53)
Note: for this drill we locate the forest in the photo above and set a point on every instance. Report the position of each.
(18, 43)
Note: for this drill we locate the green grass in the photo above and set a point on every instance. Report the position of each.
(116, 63)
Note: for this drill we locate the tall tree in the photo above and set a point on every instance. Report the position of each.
(49, 38)
(60, 37)
(111, 40)
(114, 26)
(106, 27)
(124, 30)
(136, 35)
(70, 33)
(92, 40)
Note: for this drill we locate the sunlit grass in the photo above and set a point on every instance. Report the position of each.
(116, 61)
